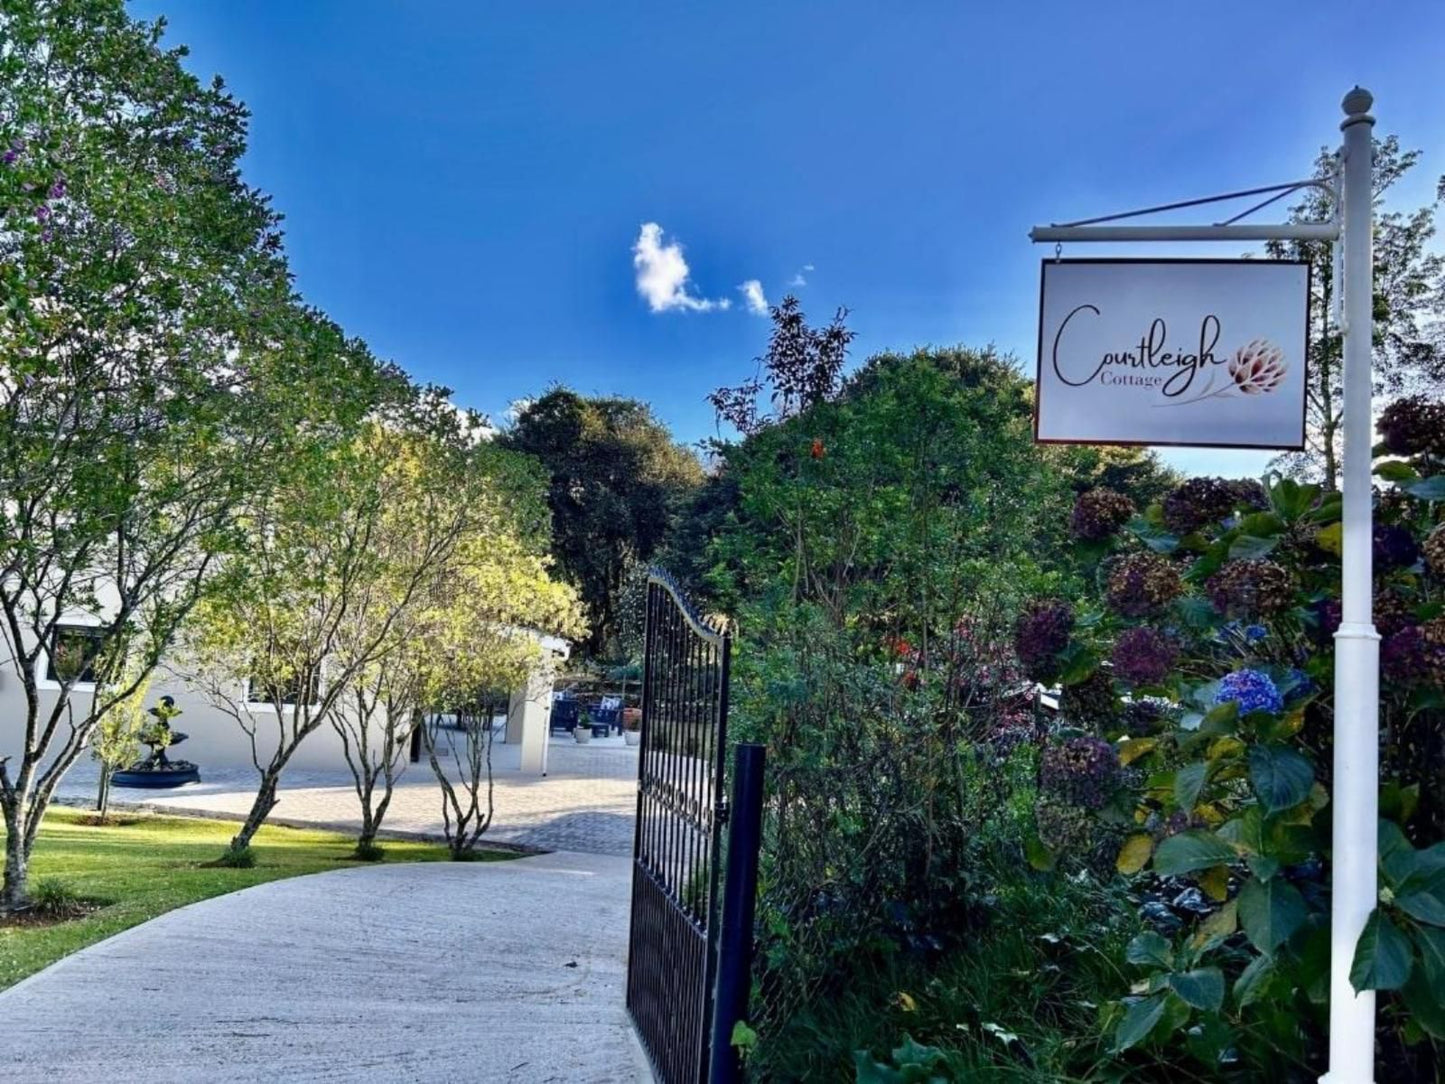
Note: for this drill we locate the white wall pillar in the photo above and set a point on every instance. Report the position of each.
(529, 718)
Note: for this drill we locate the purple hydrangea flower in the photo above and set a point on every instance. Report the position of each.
(1251, 690)
(42, 213)
(1042, 631)
(1143, 655)
(1082, 770)
(57, 190)
(10, 157)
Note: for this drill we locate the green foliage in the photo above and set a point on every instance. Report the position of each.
(368, 851)
(616, 480)
(158, 368)
(54, 898)
(1229, 796)
(878, 544)
(1409, 302)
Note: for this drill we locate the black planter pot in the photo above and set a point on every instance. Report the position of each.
(173, 774)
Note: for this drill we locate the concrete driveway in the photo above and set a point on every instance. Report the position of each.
(499, 971)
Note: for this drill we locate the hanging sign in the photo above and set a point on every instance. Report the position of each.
(1204, 353)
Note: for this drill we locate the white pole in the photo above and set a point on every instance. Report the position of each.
(1357, 645)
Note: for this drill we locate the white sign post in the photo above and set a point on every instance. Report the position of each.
(1197, 352)
(1077, 401)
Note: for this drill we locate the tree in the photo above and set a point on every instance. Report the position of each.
(117, 738)
(312, 578)
(879, 543)
(803, 366)
(479, 509)
(145, 373)
(616, 481)
(1409, 306)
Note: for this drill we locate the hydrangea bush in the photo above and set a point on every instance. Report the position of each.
(1195, 721)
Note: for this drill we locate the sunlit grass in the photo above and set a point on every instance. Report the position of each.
(146, 865)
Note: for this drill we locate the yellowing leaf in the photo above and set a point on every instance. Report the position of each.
(1134, 855)
(1291, 724)
(1220, 924)
(1211, 815)
(1226, 747)
(905, 1001)
(1331, 539)
(1215, 883)
(1131, 751)
(1319, 797)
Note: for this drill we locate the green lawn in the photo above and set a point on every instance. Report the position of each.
(148, 865)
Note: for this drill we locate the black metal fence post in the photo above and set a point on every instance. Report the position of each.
(739, 907)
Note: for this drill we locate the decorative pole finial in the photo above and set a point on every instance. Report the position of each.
(1357, 103)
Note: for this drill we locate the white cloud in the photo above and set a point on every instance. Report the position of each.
(753, 297)
(799, 279)
(662, 274)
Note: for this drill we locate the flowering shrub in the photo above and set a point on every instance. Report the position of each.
(1099, 513)
(1142, 584)
(1249, 691)
(1205, 683)
(1041, 634)
(1143, 655)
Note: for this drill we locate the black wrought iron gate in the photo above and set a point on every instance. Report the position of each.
(681, 808)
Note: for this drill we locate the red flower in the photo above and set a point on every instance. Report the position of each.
(817, 448)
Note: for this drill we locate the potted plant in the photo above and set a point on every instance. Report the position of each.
(582, 732)
(632, 725)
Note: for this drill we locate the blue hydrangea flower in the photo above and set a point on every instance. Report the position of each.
(1251, 690)
(1255, 633)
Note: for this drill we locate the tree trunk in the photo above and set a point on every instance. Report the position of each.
(17, 860)
(260, 809)
(102, 794)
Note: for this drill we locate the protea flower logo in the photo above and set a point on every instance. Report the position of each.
(1258, 368)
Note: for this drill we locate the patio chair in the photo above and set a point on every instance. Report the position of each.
(608, 714)
(564, 714)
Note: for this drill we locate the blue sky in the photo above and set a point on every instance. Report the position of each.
(465, 183)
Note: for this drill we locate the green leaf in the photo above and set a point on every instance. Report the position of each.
(1399, 803)
(1202, 988)
(1426, 1005)
(1280, 776)
(1431, 944)
(1221, 718)
(1039, 856)
(1253, 983)
(1149, 949)
(1188, 782)
(1396, 470)
(1270, 912)
(1248, 548)
(1077, 663)
(1397, 857)
(1189, 851)
(1139, 1020)
(1430, 489)
(1382, 956)
(1262, 525)
(1156, 538)
(1422, 894)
